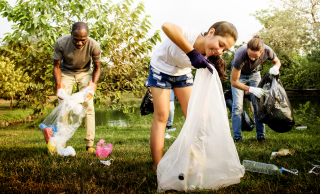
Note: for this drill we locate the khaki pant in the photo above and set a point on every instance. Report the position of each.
(82, 80)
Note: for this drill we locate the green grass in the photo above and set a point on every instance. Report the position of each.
(19, 114)
(12, 115)
(26, 166)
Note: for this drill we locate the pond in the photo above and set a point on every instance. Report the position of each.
(118, 118)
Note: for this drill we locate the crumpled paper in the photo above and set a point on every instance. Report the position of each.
(106, 163)
(282, 152)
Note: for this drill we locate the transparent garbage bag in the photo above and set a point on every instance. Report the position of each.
(60, 125)
(204, 155)
(274, 108)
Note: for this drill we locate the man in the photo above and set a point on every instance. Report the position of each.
(245, 77)
(72, 64)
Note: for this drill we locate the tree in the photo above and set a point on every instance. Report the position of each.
(121, 31)
(293, 33)
(308, 10)
(13, 84)
(285, 32)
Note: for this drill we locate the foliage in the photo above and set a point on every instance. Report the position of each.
(120, 30)
(308, 11)
(305, 118)
(283, 30)
(13, 83)
(302, 76)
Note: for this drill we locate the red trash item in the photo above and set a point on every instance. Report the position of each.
(47, 133)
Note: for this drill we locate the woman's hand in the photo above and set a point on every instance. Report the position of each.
(199, 61)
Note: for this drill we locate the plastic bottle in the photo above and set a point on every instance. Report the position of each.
(261, 167)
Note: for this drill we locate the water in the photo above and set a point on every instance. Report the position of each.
(118, 118)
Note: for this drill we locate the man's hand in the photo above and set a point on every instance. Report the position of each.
(93, 87)
(274, 70)
(60, 91)
(199, 61)
(258, 92)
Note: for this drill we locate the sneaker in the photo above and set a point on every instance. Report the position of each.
(237, 140)
(170, 130)
(261, 139)
(90, 149)
(169, 127)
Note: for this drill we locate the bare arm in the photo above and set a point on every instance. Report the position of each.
(174, 33)
(57, 71)
(235, 75)
(276, 62)
(96, 72)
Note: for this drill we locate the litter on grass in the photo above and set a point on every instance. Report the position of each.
(106, 163)
(292, 171)
(282, 152)
(301, 127)
(314, 167)
(102, 150)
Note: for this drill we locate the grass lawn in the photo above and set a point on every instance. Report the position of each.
(26, 166)
(12, 115)
(18, 115)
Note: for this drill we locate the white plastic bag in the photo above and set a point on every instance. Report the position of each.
(63, 121)
(204, 154)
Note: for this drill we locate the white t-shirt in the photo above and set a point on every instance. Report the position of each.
(170, 59)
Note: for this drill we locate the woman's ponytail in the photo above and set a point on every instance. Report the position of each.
(220, 66)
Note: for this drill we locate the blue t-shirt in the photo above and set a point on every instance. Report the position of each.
(242, 62)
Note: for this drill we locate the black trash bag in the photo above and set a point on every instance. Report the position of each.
(146, 106)
(247, 124)
(274, 108)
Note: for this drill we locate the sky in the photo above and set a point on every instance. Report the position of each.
(197, 14)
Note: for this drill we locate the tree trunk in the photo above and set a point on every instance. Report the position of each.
(11, 102)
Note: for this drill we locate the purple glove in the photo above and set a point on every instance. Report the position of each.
(199, 61)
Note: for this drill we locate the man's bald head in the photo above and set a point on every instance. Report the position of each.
(80, 26)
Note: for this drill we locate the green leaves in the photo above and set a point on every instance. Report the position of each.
(121, 30)
(13, 83)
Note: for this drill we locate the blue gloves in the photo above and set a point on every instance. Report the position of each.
(199, 61)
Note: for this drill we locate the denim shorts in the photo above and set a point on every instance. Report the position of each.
(158, 79)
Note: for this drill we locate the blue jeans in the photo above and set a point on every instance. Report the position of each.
(237, 106)
(171, 110)
(171, 114)
(229, 105)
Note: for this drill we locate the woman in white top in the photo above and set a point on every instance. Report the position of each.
(171, 67)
